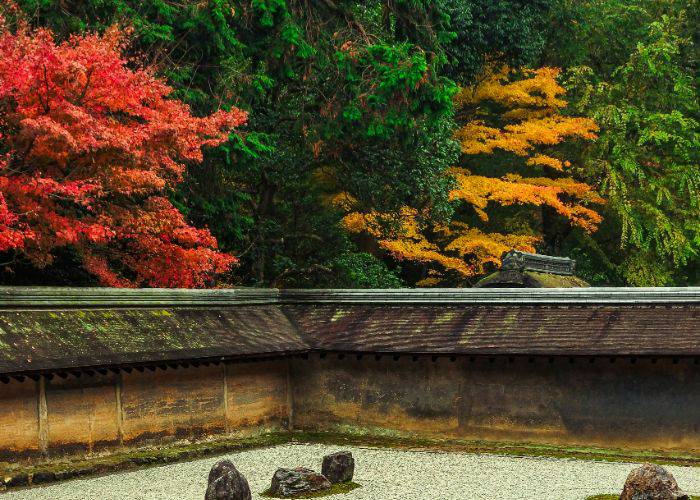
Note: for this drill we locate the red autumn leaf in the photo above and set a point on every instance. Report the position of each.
(91, 146)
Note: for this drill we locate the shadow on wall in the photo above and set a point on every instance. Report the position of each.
(638, 403)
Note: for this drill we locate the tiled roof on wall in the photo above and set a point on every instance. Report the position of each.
(52, 339)
(44, 329)
(547, 329)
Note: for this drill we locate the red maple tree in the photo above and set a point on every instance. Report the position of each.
(89, 147)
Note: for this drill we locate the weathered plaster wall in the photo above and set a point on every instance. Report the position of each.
(19, 421)
(331, 394)
(557, 401)
(80, 414)
(645, 404)
(256, 395)
(182, 403)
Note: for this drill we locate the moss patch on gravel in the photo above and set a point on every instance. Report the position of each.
(401, 442)
(58, 469)
(336, 489)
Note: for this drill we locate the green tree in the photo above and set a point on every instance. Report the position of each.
(647, 158)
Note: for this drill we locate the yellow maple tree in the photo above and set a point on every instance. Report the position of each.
(511, 125)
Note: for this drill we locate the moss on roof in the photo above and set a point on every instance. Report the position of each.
(62, 338)
(547, 280)
(530, 279)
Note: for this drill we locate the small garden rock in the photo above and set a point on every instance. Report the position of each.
(338, 467)
(289, 482)
(226, 483)
(651, 482)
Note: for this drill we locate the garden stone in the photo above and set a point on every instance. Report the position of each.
(338, 467)
(290, 482)
(651, 482)
(226, 483)
(218, 469)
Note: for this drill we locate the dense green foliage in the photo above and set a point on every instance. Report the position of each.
(355, 99)
(642, 91)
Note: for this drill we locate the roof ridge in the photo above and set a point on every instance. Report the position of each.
(70, 297)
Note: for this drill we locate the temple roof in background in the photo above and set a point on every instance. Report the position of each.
(529, 270)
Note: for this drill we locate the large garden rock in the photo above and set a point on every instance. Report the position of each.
(651, 482)
(226, 483)
(338, 467)
(290, 482)
(218, 469)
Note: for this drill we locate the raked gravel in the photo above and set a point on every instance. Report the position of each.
(383, 474)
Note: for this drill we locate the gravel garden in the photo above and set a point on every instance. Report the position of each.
(381, 473)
